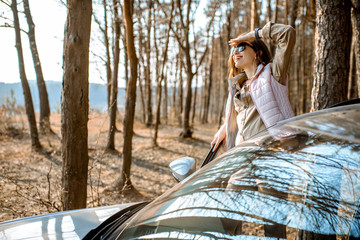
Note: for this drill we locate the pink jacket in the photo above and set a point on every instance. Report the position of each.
(270, 99)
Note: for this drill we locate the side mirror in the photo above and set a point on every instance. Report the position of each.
(181, 168)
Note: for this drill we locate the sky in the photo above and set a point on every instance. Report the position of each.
(49, 17)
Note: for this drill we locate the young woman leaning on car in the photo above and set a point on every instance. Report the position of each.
(257, 85)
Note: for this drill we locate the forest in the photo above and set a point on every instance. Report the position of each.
(172, 57)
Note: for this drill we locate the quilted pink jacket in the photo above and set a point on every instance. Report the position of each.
(270, 99)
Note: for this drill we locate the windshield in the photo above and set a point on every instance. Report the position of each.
(302, 185)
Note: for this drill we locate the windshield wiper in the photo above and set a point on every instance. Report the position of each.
(112, 223)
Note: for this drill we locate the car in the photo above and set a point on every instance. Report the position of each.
(299, 179)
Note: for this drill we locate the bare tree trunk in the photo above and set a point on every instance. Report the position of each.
(209, 85)
(303, 97)
(158, 89)
(331, 65)
(294, 84)
(269, 10)
(194, 102)
(174, 107)
(352, 87)
(293, 12)
(44, 100)
(126, 62)
(247, 20)
(158, 107)
(104, 30)
(355, 19)
(142, 96)
(157, 65)
(275, 20)
(310, 51)
(75, 104)
(254, 23)
(205, 95)
(224, 76)
(181, 92)
(114, 80)
(141, 75)
(202, 98)
(297, 84)
(149, 115)
(312, 12)
(164, 59)
(165, 108)
(130, 99)
(186, 131)
(286, 12)
(108, 58)
(29, 107)
(276, 11)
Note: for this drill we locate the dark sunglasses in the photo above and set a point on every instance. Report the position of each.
(241, 47)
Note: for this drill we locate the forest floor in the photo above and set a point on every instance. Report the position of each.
(30, 183)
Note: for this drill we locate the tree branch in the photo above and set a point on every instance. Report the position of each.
(5, 18)
(6, 3)
(98, 23)
(180, 13)
(6, 25)
(187, 15)
(207, 41)
(179, 40)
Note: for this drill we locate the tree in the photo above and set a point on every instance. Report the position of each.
(254, 21)
(352, 86)
(124, 179)
(148, 92)
(29, 107)
(184, 42)
(44, 100)
(162, 76)
(294, 6)
(355, 19)
(141, 71)
(104, 31)
(208, 83)
(75, 104)
(223, 43)
(114, 80)
(331, 68)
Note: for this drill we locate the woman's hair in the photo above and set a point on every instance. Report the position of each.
(262, 53)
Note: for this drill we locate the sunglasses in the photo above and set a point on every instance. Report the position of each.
(241, 47)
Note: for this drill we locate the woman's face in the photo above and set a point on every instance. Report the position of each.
(244, 58)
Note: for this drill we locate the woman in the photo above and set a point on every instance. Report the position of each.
(257, 87)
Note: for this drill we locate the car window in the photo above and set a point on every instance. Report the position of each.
(302, 185)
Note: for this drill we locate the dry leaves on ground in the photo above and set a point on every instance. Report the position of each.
(30, 183)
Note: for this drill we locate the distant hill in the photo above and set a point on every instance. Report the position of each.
(97, 95)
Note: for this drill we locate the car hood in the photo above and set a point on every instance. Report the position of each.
(73, 224)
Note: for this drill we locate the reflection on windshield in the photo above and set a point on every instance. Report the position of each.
(300, 187)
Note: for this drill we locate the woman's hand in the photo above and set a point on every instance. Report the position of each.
(250, 36)
(218, 137)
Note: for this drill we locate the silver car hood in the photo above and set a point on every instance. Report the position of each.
(73, 224)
